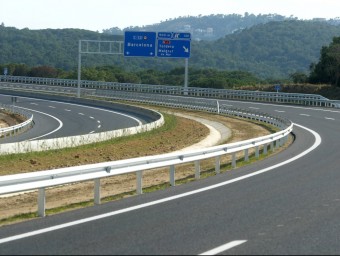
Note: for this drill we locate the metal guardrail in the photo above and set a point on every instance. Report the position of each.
(275, 97)
(15, 129)
(44, 179)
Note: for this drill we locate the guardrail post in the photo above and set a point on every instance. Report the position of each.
(272, 146)
(41, 202)
(257, 152)
(246, 155)
(218, 164)
(197, 170)
(277, 144)
(233, 160)
(172, 175)
(140, 182)
(265, 149)
(97, 191)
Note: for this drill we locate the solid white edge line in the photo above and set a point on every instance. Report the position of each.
(55, 130)
(129, 209)
(224, 247)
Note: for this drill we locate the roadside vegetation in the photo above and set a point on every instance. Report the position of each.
(177, 133)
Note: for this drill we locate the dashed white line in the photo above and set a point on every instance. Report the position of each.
(280, 111)
(99, 126)
(91, 132)
(317, 142)
(224, 247)
(82, 114)
(67, 110)
(91, 117)
(304, 115)
(330, 118)
(51, 106)
(254, 108)
(98, 122)
(32, 103)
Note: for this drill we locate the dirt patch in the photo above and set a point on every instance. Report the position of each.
(184, 132)
(9, 119)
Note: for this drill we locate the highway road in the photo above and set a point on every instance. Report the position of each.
(286, 204)
(60, 119)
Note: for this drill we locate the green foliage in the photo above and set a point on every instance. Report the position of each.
(327, 70)
(271, 50)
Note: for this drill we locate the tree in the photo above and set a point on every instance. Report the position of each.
(327, 70)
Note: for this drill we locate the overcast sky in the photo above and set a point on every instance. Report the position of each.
(97, 15)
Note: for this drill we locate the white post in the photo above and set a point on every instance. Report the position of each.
(257, 152)
(246, 155)
(217, 164)
(233, 161)
(172, 175)
(140, 182)
(186, 74)
(197, 170)
(79, 70)
(41, 202)
(97, 191)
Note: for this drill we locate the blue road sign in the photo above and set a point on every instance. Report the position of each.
(277, 87)
(173, 45)
(173, 48)
(174, 35)
(139, 44)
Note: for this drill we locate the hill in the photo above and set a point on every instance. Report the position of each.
(214, 26)
(268, 50)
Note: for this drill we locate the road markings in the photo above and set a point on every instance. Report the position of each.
(32, 103)
(82, 114)
(51, 107)
(330, 118)
(67, 110)
(91, 117)
(280, 111)
(58, 120)
(317, 143)
(224, 247)
(254, 108)
(99, 126)
(304, 115)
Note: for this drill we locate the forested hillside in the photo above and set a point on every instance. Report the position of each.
(214, 26)
(210, 27)
(270, 50)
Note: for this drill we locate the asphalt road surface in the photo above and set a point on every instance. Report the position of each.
(59, 119)
(286, 204)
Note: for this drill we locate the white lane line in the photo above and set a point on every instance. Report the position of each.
(317, 143)
(99, 126)
(330, 118)
(254, 108)
(51, 107)
(280, 111)
(32, 103)
(82, 114)
(91, 117)
(304, 115)
(98, 122)
(91, 132)
(67, 110)
(224, 247)
(58, 120)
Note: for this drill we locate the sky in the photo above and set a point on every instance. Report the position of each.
(97, 15)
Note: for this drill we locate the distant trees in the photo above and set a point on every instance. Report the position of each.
(327, 70)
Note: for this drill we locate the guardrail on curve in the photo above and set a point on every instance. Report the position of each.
(42, 180)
